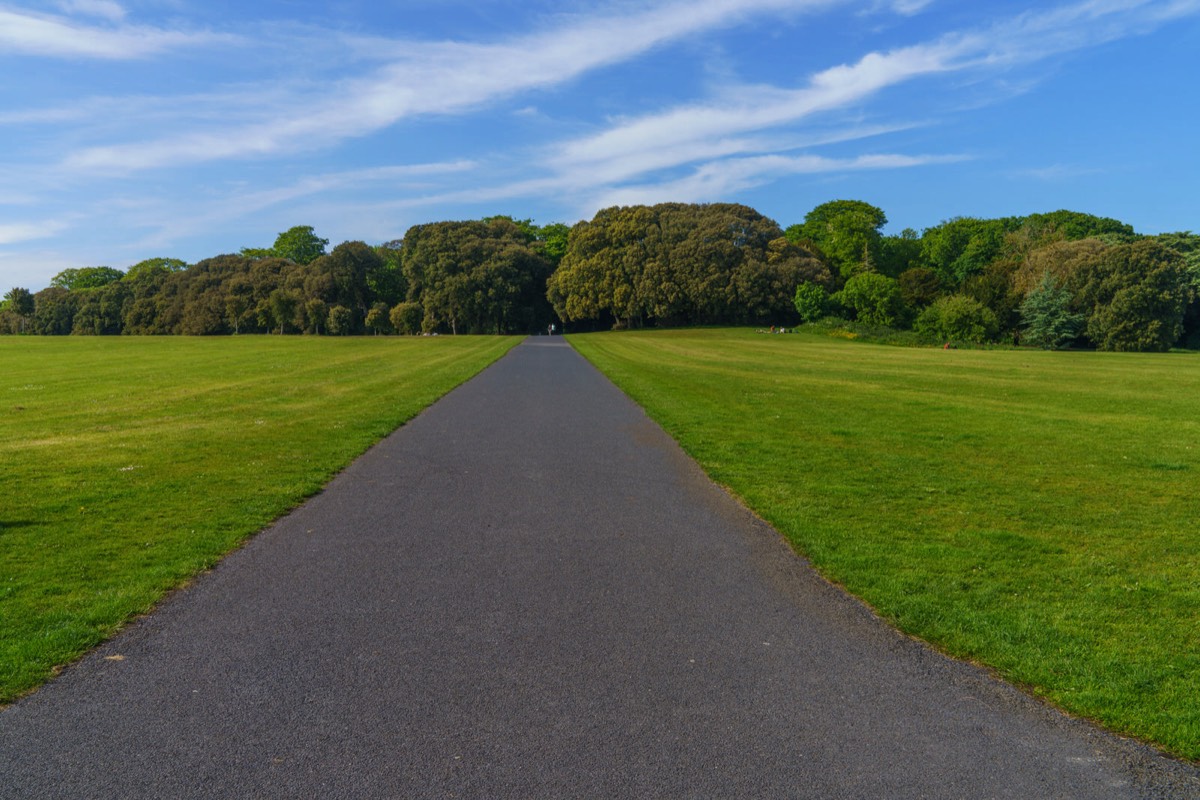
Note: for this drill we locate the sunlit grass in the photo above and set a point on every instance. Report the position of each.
(1033, 511)
(130, 464)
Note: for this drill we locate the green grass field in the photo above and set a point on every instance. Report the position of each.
(1032, 511)
(130, 464)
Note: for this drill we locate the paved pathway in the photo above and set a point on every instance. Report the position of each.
(529, 591)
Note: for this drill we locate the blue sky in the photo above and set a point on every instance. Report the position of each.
(190, 128)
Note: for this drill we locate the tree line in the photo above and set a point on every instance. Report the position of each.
(1049, 280)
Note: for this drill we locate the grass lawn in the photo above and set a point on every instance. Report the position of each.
(130, 464)
(1033, 511)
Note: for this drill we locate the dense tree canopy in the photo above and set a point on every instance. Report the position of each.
(86, 278)
(848, 233)
(1049, 280)
(476, 277)
(680, 264)
(1134, 296)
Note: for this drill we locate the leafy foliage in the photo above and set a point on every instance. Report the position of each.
(74, 280)
(919, 286)
(874, 299)
(680, 264)
(811, 301)
(957, 318)
(1047, 318)
(847, 232)
(1136, 294)
(300, 244)
(476, 277)
(407, 318)
(670, 264)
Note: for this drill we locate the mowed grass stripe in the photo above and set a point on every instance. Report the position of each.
(130, 464)
(1033, 511)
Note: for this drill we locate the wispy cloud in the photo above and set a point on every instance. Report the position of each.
(170, 222)
(30, 231)
(30, 33)
(1056, 172)
(105, 9)
(723, 179)
(709, 135)
(441, 78)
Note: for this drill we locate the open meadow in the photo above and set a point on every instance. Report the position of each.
(130, 464)
(1032, 511)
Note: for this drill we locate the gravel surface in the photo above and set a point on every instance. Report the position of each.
(530, 591)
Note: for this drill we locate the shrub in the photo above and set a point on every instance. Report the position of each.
(875, 299)
(1046, 316)
(812, 301)
(341, 321)
(958, 318)
(406, 318)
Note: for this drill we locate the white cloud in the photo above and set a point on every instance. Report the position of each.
(106, 9)
(723, 179)
(690, 133)
(910, 7)
(170, 222)
(440, 78)
(905, 8)
(30, 231)
(1056, 172)
(736, 122)
(34, 34)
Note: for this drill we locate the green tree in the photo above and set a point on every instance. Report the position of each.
(476, 276)
(812, 302)
(100, 311)
(897, 254)
(957, 318)
(919, 286)
(874, 299)
(20, 303)
(74, 280)
(677, 263)
(282, 305)
(553, 240)
(299, 244)
(1072, 225)
(54, 311)
(847, 232)
(993, 288)
(406, 318)
(964, 246)
(1135, 296)
(386, 281)
(1046, 316)
(341, 321)
(154, 268)
(316, 316)
(377, 319)
(1187, 244)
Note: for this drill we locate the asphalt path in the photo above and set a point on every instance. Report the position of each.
(529, 591)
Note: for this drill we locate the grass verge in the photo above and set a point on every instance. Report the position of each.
(130, 464)
(1032, 511)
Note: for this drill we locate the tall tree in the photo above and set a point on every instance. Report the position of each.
(20, 302)
(74, 280)
(1135, 296)
(300, 244)
(476, 276)
(1046, 316)
(678, 263)
(875, 299)
(847, 232)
